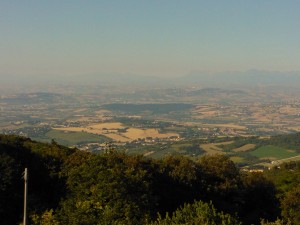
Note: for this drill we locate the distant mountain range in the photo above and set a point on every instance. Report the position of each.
(248, 78)
(252, 78)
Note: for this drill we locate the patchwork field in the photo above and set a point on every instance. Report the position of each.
(226, 125)
(278, 162)
(117, 137)
(295, 158)
(214, 148)
(135, 133)
(73, 138)
(244, 148)
(296, 128)
(112, 131)
(109, 126)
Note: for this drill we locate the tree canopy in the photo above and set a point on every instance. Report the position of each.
(68, 186)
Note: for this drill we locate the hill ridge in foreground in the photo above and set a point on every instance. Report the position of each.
(68, 186)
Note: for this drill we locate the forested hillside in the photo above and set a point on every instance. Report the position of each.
(68, 186)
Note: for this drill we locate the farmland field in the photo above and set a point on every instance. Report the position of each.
(73, 138)
(135, 133)
(178, 147)
(155, 108)
(237, 159)
(214, 148)
(295, 158)
(117, 137)
(108, 126)
(111, 130)
(244, 148)
(270, 151)
(226, 125)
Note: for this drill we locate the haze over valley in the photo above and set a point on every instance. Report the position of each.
(150, 112)
(150, 120)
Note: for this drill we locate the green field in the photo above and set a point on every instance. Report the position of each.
(272, 152)
(244, 148)
(180, 147)
(74, 138)
(237, 159)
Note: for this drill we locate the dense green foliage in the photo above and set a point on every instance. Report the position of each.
(197, 213)
(44, 162)
(291, 141)
(287, 182)
(70, 187)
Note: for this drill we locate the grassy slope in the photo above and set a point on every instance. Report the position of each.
(270, 151)
(73, 138)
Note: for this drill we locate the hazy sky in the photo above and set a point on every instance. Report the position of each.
(147, 37)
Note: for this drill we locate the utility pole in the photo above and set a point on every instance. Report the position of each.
(25, 196)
